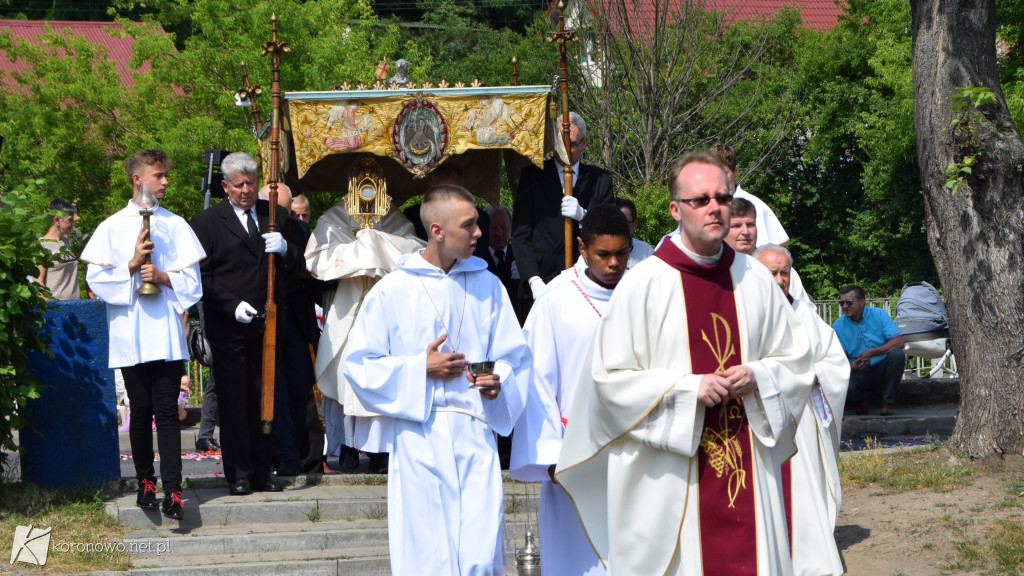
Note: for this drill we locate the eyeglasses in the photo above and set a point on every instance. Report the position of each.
(845, 303)
(702, 201)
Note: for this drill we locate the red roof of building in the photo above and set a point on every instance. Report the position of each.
(819, 15)
(118, 49)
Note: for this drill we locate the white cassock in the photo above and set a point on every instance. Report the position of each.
(816, 494)
(629, 456)
(559, 331)
(769, 229)
(444, 483)
(357, 258)
(150, 327)
(797, 290)
(639, 251)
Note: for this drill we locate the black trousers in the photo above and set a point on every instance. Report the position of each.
(884, 376)
(152, 390)
(208, 414)
(292, 390)
(245, 449)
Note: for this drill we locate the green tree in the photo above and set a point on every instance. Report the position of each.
(848, 190)
(975, 234)
(78, 122)
(22, 307)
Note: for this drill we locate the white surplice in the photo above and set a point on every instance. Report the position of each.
(356, 258)
(444, 484)
(628, 456)
(816, 493)
(144, 328)
(639, 251)
(559, 331)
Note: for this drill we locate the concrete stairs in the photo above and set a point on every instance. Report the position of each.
(924, 406)
(320, 524)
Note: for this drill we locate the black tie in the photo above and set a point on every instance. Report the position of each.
(504, 270)
(254, 231)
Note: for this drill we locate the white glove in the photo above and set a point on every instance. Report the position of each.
(244, 313)
(275, 243)
(537, 286)
(571, 208)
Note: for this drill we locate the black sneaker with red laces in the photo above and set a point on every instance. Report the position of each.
(173, 507)
(147, 494)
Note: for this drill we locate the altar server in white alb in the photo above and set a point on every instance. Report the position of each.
(407, 357)
(559, 331)
(683, 414)
(147, 334)
(811, 486)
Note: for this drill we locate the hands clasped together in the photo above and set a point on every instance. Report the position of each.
(448, 365)
(148, 271)
(732, 382)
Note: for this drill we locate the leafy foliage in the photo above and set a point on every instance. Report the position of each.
(22, 306)
(848, 188)
(677, 79)
(963, 99)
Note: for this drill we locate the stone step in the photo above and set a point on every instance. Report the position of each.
(934, 420)
(164, 547)
(188, 439)
(340, 564)
(358, 546)
(927, 392)
(298, 503)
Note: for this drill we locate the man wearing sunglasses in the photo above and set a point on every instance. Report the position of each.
(874, 347)
(684, 410)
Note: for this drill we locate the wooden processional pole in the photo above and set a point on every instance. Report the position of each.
(562, 36)
(275, 49)
(250, 92)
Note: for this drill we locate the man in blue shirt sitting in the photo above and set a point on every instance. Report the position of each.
(875, 348)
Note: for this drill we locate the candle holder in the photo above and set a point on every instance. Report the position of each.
(148, 203)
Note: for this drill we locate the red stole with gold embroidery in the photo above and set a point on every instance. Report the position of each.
(727, 511)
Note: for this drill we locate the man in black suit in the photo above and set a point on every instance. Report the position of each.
(538, 232)
(233, 233)
(499, 256)
(295, 377)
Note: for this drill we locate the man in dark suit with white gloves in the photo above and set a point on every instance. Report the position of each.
(234, 235)
(538, 232)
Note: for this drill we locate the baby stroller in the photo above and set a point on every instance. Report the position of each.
(921, 319)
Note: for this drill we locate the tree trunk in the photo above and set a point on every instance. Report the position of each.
(976, 234)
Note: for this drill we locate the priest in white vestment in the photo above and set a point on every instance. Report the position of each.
(354, 259)
(419, 329)
(814, 494)
(559, 331)
(685, 410)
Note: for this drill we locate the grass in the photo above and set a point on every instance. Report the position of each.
(78, 520)
(903, 469)
(985, 537)
(967, 556)
(1006, 540)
